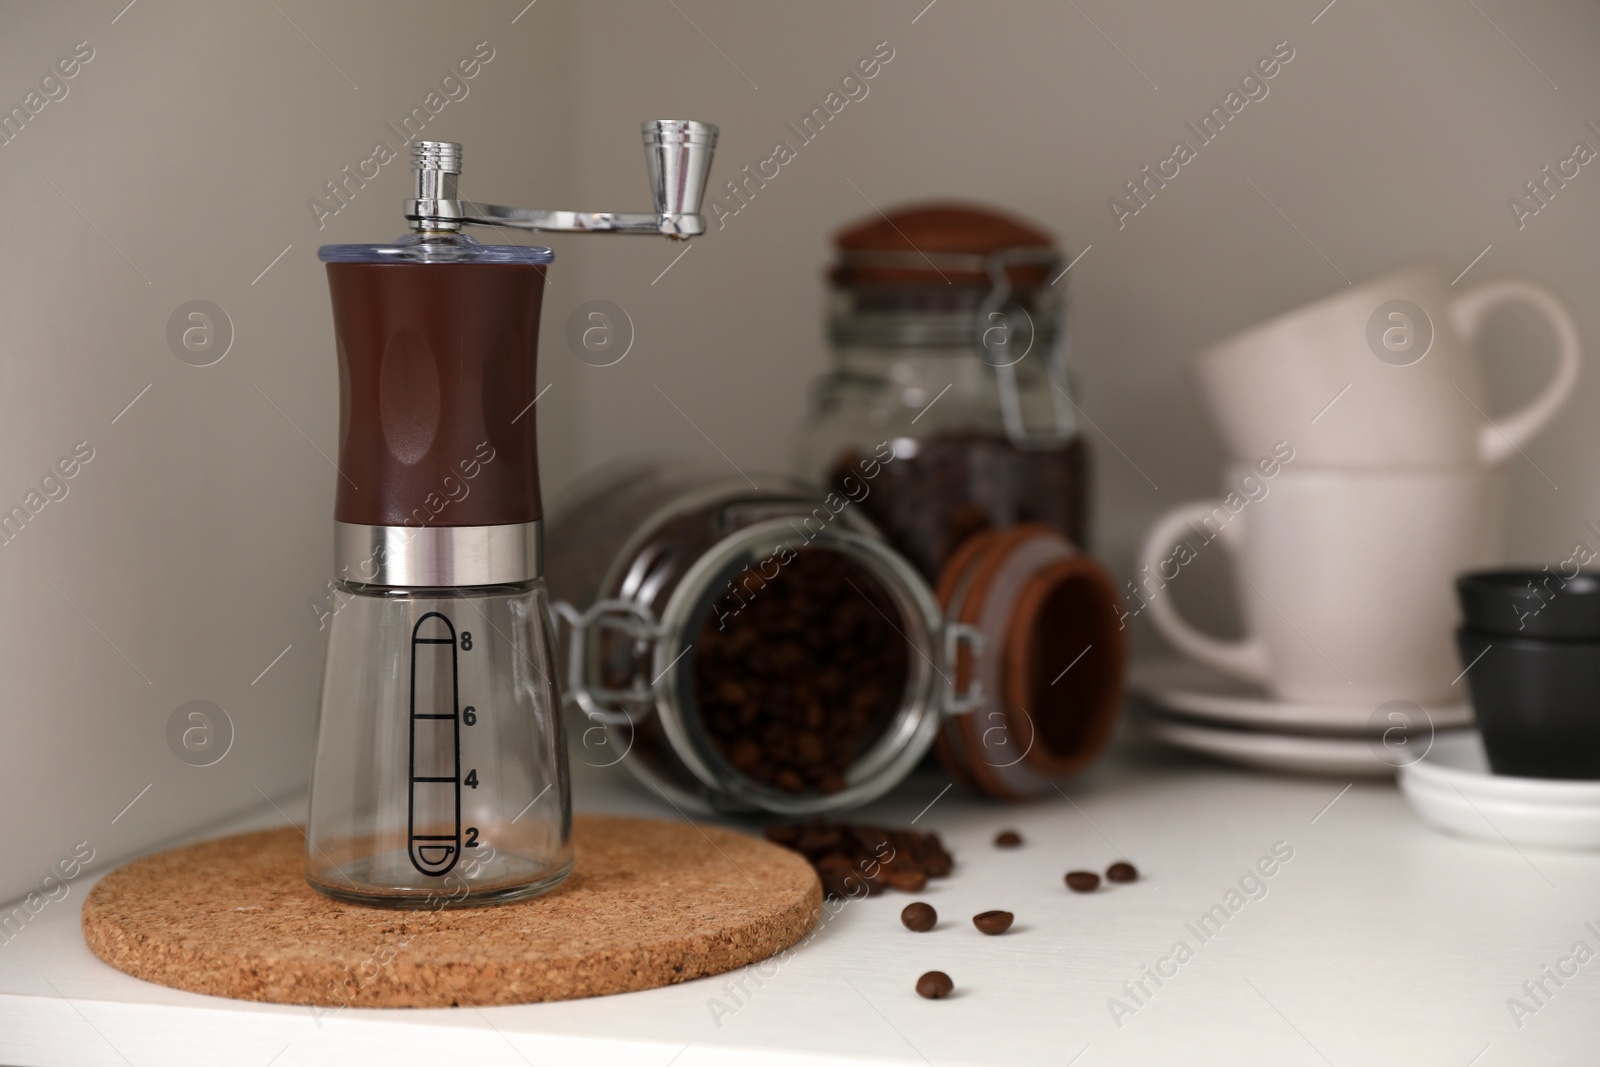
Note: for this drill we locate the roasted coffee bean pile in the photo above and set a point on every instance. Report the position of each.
(853, 859)
(798, 674)
(856, 860)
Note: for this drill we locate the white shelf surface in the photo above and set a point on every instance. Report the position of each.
(1379, 942)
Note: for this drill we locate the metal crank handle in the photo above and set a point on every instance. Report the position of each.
(521, 218)
(678, 156)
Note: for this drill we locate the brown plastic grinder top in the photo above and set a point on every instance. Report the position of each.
(436, 378)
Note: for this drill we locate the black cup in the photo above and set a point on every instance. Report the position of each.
(1537, 703)
(1531, 644)
(1532, 604)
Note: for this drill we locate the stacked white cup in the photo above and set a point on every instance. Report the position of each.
(1393, 484)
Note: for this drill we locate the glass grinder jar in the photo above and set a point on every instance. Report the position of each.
(949, 340)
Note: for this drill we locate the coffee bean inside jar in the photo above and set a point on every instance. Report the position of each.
(937, 493)
(799, 680)
(747, 650)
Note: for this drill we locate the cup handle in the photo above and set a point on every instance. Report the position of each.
(1496, 442)
(1244, 658)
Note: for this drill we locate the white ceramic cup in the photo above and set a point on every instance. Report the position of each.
(1382, 375)
(1345, 579)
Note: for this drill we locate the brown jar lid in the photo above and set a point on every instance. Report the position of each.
(936, 244)
(1051, 667)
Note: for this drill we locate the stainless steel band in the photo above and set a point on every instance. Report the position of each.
(418, 556)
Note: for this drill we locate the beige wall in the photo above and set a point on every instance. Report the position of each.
(193, 139)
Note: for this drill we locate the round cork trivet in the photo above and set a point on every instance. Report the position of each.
(649, 903)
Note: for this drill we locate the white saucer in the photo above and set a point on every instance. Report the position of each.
(1292, 753)
(1453, 790)
(1190, 689)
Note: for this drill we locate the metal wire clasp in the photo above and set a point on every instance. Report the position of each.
(584, 687)
(957, 634)
(997, 314)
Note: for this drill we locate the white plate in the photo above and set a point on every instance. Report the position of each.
(1185, 687)
(1453, 790)
(1291, 753)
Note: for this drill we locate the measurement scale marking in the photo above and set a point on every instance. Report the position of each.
(433, 854)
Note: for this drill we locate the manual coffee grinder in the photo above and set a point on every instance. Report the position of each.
(441, 773)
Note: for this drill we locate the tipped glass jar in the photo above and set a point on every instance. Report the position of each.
(768, 651)
(748, 650)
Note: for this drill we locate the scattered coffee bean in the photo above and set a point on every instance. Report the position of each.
(1008, 839)
(857, 860)
(1122, 872)
(934, 985)
(919, 917)
(993, 922)
(1083, 881)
